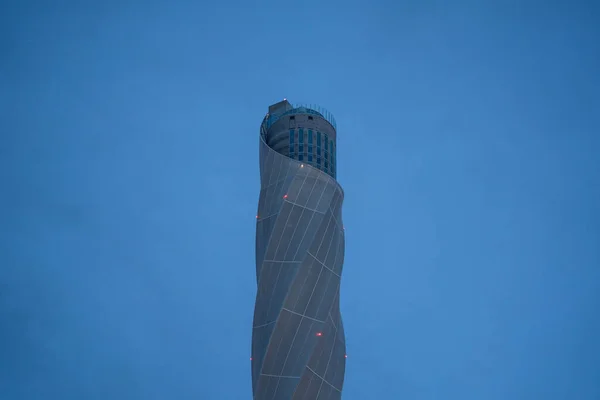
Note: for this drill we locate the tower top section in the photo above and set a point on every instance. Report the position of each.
(284, 107)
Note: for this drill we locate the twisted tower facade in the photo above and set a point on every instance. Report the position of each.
(298, 343)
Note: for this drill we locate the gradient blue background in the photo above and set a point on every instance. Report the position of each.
(469, 150)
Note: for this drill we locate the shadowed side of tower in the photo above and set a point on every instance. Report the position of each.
(298, 343)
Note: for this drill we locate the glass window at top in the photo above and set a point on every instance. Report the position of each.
(300, 135)
(332, 160)
(310, 136)
(331, 156)
(318, 138)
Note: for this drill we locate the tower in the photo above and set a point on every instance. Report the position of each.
(298, 342)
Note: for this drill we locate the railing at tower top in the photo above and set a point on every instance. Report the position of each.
(270, 119)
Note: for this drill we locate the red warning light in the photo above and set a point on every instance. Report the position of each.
(250, 358)
(345, 355)
(319, 334)
(285, 196)
(257, 217)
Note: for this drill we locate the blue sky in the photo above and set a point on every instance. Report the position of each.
(469, 142)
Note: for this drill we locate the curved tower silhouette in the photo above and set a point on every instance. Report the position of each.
(298, 343)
